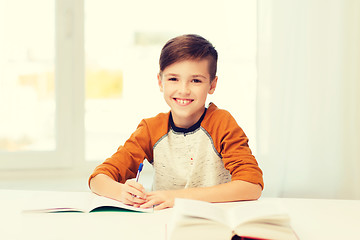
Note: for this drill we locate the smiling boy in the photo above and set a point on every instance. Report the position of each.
(197, 152)
(185, 86)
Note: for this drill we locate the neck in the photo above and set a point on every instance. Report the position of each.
(187, 124)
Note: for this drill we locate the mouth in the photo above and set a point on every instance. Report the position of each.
(183, 102)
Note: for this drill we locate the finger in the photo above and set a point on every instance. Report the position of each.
(149, 204)
(153, 199)
(137, 194)
(132, 200)
(129, 191)
(146, 205)
(137, 200)
(162, 206)
(151, 196)
(140, 193)
(128, 199)
(135, 185)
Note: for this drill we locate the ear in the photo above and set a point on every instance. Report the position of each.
(213, 85)
(160, 83)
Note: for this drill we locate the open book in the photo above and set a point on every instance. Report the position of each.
(194, 219)
(85, 202)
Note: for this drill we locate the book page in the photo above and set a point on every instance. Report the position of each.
(266, 231)
(185, 227)
(257, 211)
(200, 209)
(192, 219)
(50, 201)
(47, 202)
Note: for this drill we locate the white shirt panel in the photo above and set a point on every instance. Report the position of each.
(187, 160)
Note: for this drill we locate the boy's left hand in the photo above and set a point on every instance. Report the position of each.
(160, 199)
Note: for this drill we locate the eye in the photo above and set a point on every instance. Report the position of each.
(172, 79)
(196, 81)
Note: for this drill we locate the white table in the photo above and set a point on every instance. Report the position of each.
(311, 219)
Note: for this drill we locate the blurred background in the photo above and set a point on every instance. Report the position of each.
(77, 77)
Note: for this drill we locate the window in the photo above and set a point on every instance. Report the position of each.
(38, 127)
(27, 82)
(123, 43)
(27, 95)
(76, 77)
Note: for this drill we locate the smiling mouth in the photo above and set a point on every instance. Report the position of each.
(183, 101)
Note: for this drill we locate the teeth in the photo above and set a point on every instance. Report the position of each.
(183, 101)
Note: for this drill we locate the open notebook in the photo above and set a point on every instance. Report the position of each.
(86, 202)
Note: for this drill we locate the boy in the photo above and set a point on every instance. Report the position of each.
(197, 152)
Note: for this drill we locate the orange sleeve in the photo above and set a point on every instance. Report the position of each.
(232, 144)
(123, 164)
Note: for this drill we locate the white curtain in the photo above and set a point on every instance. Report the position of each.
(308, 99)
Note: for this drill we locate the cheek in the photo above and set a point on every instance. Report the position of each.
(168, 89)
(202, 93)
(166, 93)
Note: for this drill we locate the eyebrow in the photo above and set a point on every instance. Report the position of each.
(198, 76)
(171, 74)
(177, 75)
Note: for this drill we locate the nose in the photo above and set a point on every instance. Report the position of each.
(185, 88)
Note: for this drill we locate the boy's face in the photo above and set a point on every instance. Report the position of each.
(185, 86)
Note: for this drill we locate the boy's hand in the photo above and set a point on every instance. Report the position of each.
(132, 193)
(163, 199)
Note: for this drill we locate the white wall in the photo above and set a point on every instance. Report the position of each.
(308, 111)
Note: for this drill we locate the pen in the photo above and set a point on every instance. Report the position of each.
(139, 171)
(138, 175)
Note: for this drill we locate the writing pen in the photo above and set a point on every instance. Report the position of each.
(138, 174)
(139, 171)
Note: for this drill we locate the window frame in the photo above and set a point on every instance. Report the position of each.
(69, 97)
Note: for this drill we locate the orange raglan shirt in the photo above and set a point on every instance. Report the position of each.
(213, 151)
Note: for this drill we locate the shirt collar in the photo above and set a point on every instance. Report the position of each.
(186, 130)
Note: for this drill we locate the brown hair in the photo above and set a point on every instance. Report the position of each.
(188, 47)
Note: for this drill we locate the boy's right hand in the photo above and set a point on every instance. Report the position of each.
(132, 193)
